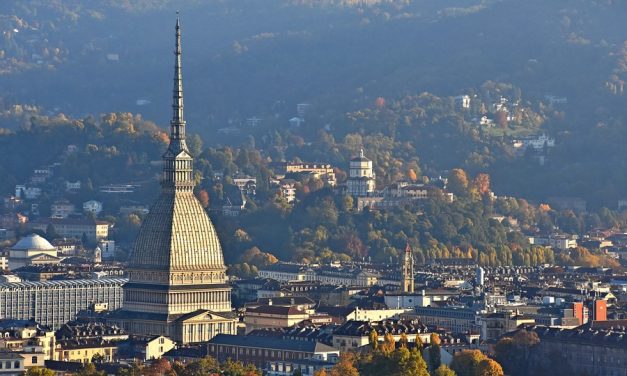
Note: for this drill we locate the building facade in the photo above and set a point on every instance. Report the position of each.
(260, 350)
(452, 319)
(53, 303)
(74, 228)
(32, 250)
(588, 351)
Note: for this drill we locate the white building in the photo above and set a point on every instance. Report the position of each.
(563, 241)
(92, 206)
(296, 122)
(462, 101)
(538, 143)
(53, 303)
(29, 193)
(108, 249)
(375, 314)
(361, 179)
(32, 250)
(287, 190)
(72, 186)
(61, 209)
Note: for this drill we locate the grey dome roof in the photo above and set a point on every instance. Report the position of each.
(177, 235)
(33, 241)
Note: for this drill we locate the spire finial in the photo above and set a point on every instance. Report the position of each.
(178, 167)
(361, 152)
(178, 120)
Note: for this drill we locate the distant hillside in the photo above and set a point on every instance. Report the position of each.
(250, 58)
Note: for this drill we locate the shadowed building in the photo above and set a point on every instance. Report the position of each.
(177, 279)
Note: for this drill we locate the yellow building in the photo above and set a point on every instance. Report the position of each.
(85, 350)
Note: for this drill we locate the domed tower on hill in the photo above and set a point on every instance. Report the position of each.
(361, 178)
(177, 278)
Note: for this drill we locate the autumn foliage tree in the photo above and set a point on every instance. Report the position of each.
(481, 183)
(345, 367)
(457, 182)
(489, 367)
(466, 363)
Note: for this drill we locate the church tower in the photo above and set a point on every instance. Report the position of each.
(407, 284)
(177, 278)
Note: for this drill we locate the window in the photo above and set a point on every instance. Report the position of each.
(16, 364)
(34, 360)
(7, 365)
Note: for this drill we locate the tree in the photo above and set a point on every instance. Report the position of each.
(157, 368)
(37, 371)
(411, 174)
(203, 196)
(345, 367)
(514, 353)
(434, 352)
(297, 372)
(373, 340)
(202, 367)
(465, 363)
(443, 370)
(194, 143)
(489, 367)
(90, 370)
(231, 368)
(482, 183)
(321, 372)
(389, 344)
(418, 342)
(500, 118)
(51, 232)
(457, 182)
(412, 364)
(403, 341)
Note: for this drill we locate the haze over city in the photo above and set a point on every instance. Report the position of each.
(302, 187)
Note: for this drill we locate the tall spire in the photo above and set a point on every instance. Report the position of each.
(177, 131)
(178, 170)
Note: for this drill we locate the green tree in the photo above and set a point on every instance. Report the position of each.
(412, 364)
(38, 371)
(202, 367)
(90, 370)
(434, 352)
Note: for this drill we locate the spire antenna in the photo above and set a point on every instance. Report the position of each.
(178, 119)
(178, 170)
